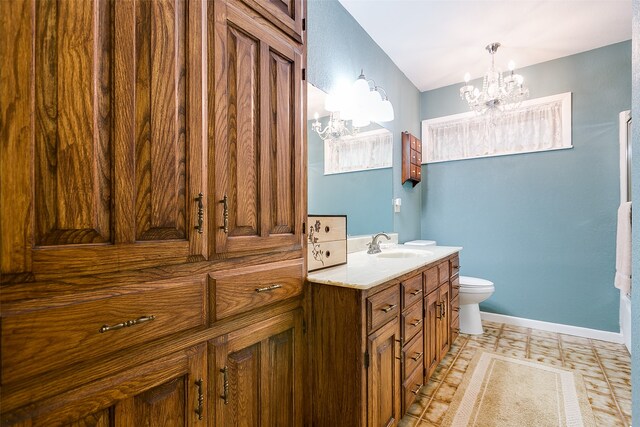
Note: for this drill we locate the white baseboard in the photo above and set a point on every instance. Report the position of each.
(578, 331)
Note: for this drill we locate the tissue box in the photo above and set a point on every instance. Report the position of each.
(326, 241)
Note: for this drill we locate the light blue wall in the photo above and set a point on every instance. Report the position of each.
(541, 226)
(338, 48)
(635, 178)
(365, 197)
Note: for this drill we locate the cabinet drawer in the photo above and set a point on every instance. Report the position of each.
(413, 140)
(382, 307)
(455, 306)
(418, 146)
(443, 271)
(82, 327)
(246, 289)
(412, 322)
(411, 388)
(414, 171)
(411, 290)
(455, 328)
(413, 355)
(327, 228)
(455, 287)
(455, 265)
(431, 281)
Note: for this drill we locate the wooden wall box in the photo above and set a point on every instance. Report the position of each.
(326, 241)
(411, 159)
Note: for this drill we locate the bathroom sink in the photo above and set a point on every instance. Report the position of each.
(403, 254)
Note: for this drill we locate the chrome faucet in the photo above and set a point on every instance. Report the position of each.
(374, 246)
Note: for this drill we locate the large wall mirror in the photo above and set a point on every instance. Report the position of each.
(347, 177)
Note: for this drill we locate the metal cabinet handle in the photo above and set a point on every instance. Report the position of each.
(268, 288)
(416, 292)
(225, 214)
(456, 309)
(455, 286)
(417, 389)
(126, 324)
(417, 322)
(456, 330)
(443, 309)
(200, 407)
(200, 227)
(388, 309)
(439, 311)
(225, 386)
(418, 356)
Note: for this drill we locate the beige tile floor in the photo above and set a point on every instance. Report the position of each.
(606, 368)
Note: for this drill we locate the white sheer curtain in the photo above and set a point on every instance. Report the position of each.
(538, 125)
(367, 150)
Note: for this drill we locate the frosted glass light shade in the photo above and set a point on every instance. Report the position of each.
(386, 111)
(331, 103)
(374, 105)
(360, 91)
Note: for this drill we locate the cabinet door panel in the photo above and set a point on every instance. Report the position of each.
(165, 403)
(431, 332)
(255, 120)
(281, 371)
(72, 120)
(160, 126)
(445, 321)
(384, 382)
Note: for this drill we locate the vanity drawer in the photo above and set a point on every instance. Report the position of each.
(455, 265)
(237, 291)
(412, 322)
(431, 280)
(411, 388)
(455, 287)
(455, 306)
(80, 327)
(443, 271)
(411, 290)
(382, 307)
(413, 354)
(455, 328)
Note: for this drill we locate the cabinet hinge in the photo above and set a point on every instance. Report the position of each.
(304, 228)
(304, 74)
(304, 326)
(304, 24)
(366, 359)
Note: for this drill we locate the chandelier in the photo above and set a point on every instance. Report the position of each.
(499, 92)
(360, 104)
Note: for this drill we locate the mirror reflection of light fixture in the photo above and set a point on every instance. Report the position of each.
(498, 92)
(361, 103)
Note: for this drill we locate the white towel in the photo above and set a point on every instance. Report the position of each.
(623, 249)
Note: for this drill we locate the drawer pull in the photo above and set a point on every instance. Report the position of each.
(417, 322)
(225, 214)
(268, 288)
(438, 311)
(455, 286)
(416, 292)
(417, 389)
(200, 407)
(388, 309)
(128, 323)
(456, 330)
(418, 356)
(443, 309)
(199, 227)
(456, 309)
(225, 386)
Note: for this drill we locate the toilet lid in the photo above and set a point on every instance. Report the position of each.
(472, 282)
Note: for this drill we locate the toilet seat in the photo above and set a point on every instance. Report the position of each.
(473, 285)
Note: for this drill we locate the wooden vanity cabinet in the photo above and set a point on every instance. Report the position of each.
(438, 308)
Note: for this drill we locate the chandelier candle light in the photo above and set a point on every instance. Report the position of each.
(361, 103)
(499, 92)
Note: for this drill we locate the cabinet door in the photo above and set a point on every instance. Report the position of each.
(255, 121)
(169, 392)
(257, 374)
(444, 325)
(383, 376)
(114, 145)
(431, 332)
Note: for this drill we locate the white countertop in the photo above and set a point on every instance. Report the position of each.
(364, 271)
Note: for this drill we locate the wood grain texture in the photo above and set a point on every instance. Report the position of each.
(431, 332)
(236, 291)
(382, 307)
(16, 133)
(287, 15)
(256, 359)
(444, 326)
(35, 341)
(411, 290)
(118, 394)
(412, 320)
(383, 376)
(73, 139)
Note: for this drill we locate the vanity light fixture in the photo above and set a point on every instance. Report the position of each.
(361, 103)
(498, 93)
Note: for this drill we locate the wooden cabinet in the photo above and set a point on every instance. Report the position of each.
(255, 119)
(411, 159)
(383, 375)
(170, 391)
(438, 320)
(252, 374)
(103, 175)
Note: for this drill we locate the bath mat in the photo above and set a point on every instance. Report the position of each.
(500, 391)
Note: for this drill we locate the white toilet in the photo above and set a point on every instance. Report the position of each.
(472, 292)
